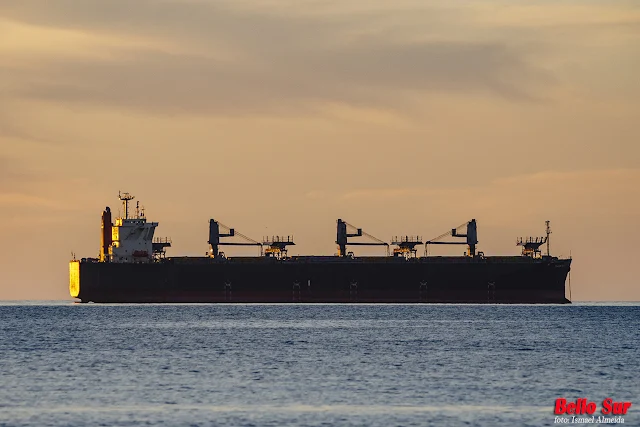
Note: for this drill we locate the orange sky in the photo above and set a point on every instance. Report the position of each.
(404, 117)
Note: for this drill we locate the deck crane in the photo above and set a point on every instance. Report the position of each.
(346, 230)
(215, 235)
(471, 237)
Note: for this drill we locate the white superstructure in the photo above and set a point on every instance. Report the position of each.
(131, 236)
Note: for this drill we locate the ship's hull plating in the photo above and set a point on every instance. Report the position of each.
(324, 280)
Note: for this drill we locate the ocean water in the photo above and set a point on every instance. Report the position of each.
(65, 364)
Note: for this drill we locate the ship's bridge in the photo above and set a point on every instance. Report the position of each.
(131, 237)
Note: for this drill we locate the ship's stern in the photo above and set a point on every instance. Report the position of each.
(74, 278)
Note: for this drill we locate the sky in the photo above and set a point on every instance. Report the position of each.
(280, 116)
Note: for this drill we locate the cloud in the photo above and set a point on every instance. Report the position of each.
(589, 193)
(9, 130)
(210, 57)
(20, 203)
(31, 203)
(365, 75)
(13, 175)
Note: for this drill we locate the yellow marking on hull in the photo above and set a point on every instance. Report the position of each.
(74, 278)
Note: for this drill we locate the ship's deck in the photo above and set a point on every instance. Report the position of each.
(367, 260)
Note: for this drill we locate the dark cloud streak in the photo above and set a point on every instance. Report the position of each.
(280, 63)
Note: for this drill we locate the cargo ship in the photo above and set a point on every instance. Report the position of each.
(132, 267)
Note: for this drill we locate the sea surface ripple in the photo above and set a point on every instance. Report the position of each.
(65, 364)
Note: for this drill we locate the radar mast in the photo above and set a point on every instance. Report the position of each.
(126, 198)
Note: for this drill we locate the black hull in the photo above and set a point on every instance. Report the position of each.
(324, 280)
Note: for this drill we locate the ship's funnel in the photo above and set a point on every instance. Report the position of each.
(105, 241)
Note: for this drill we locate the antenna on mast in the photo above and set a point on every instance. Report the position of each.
(548, 223)
(125, 197)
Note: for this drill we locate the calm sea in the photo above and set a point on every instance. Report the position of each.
(64, 364)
